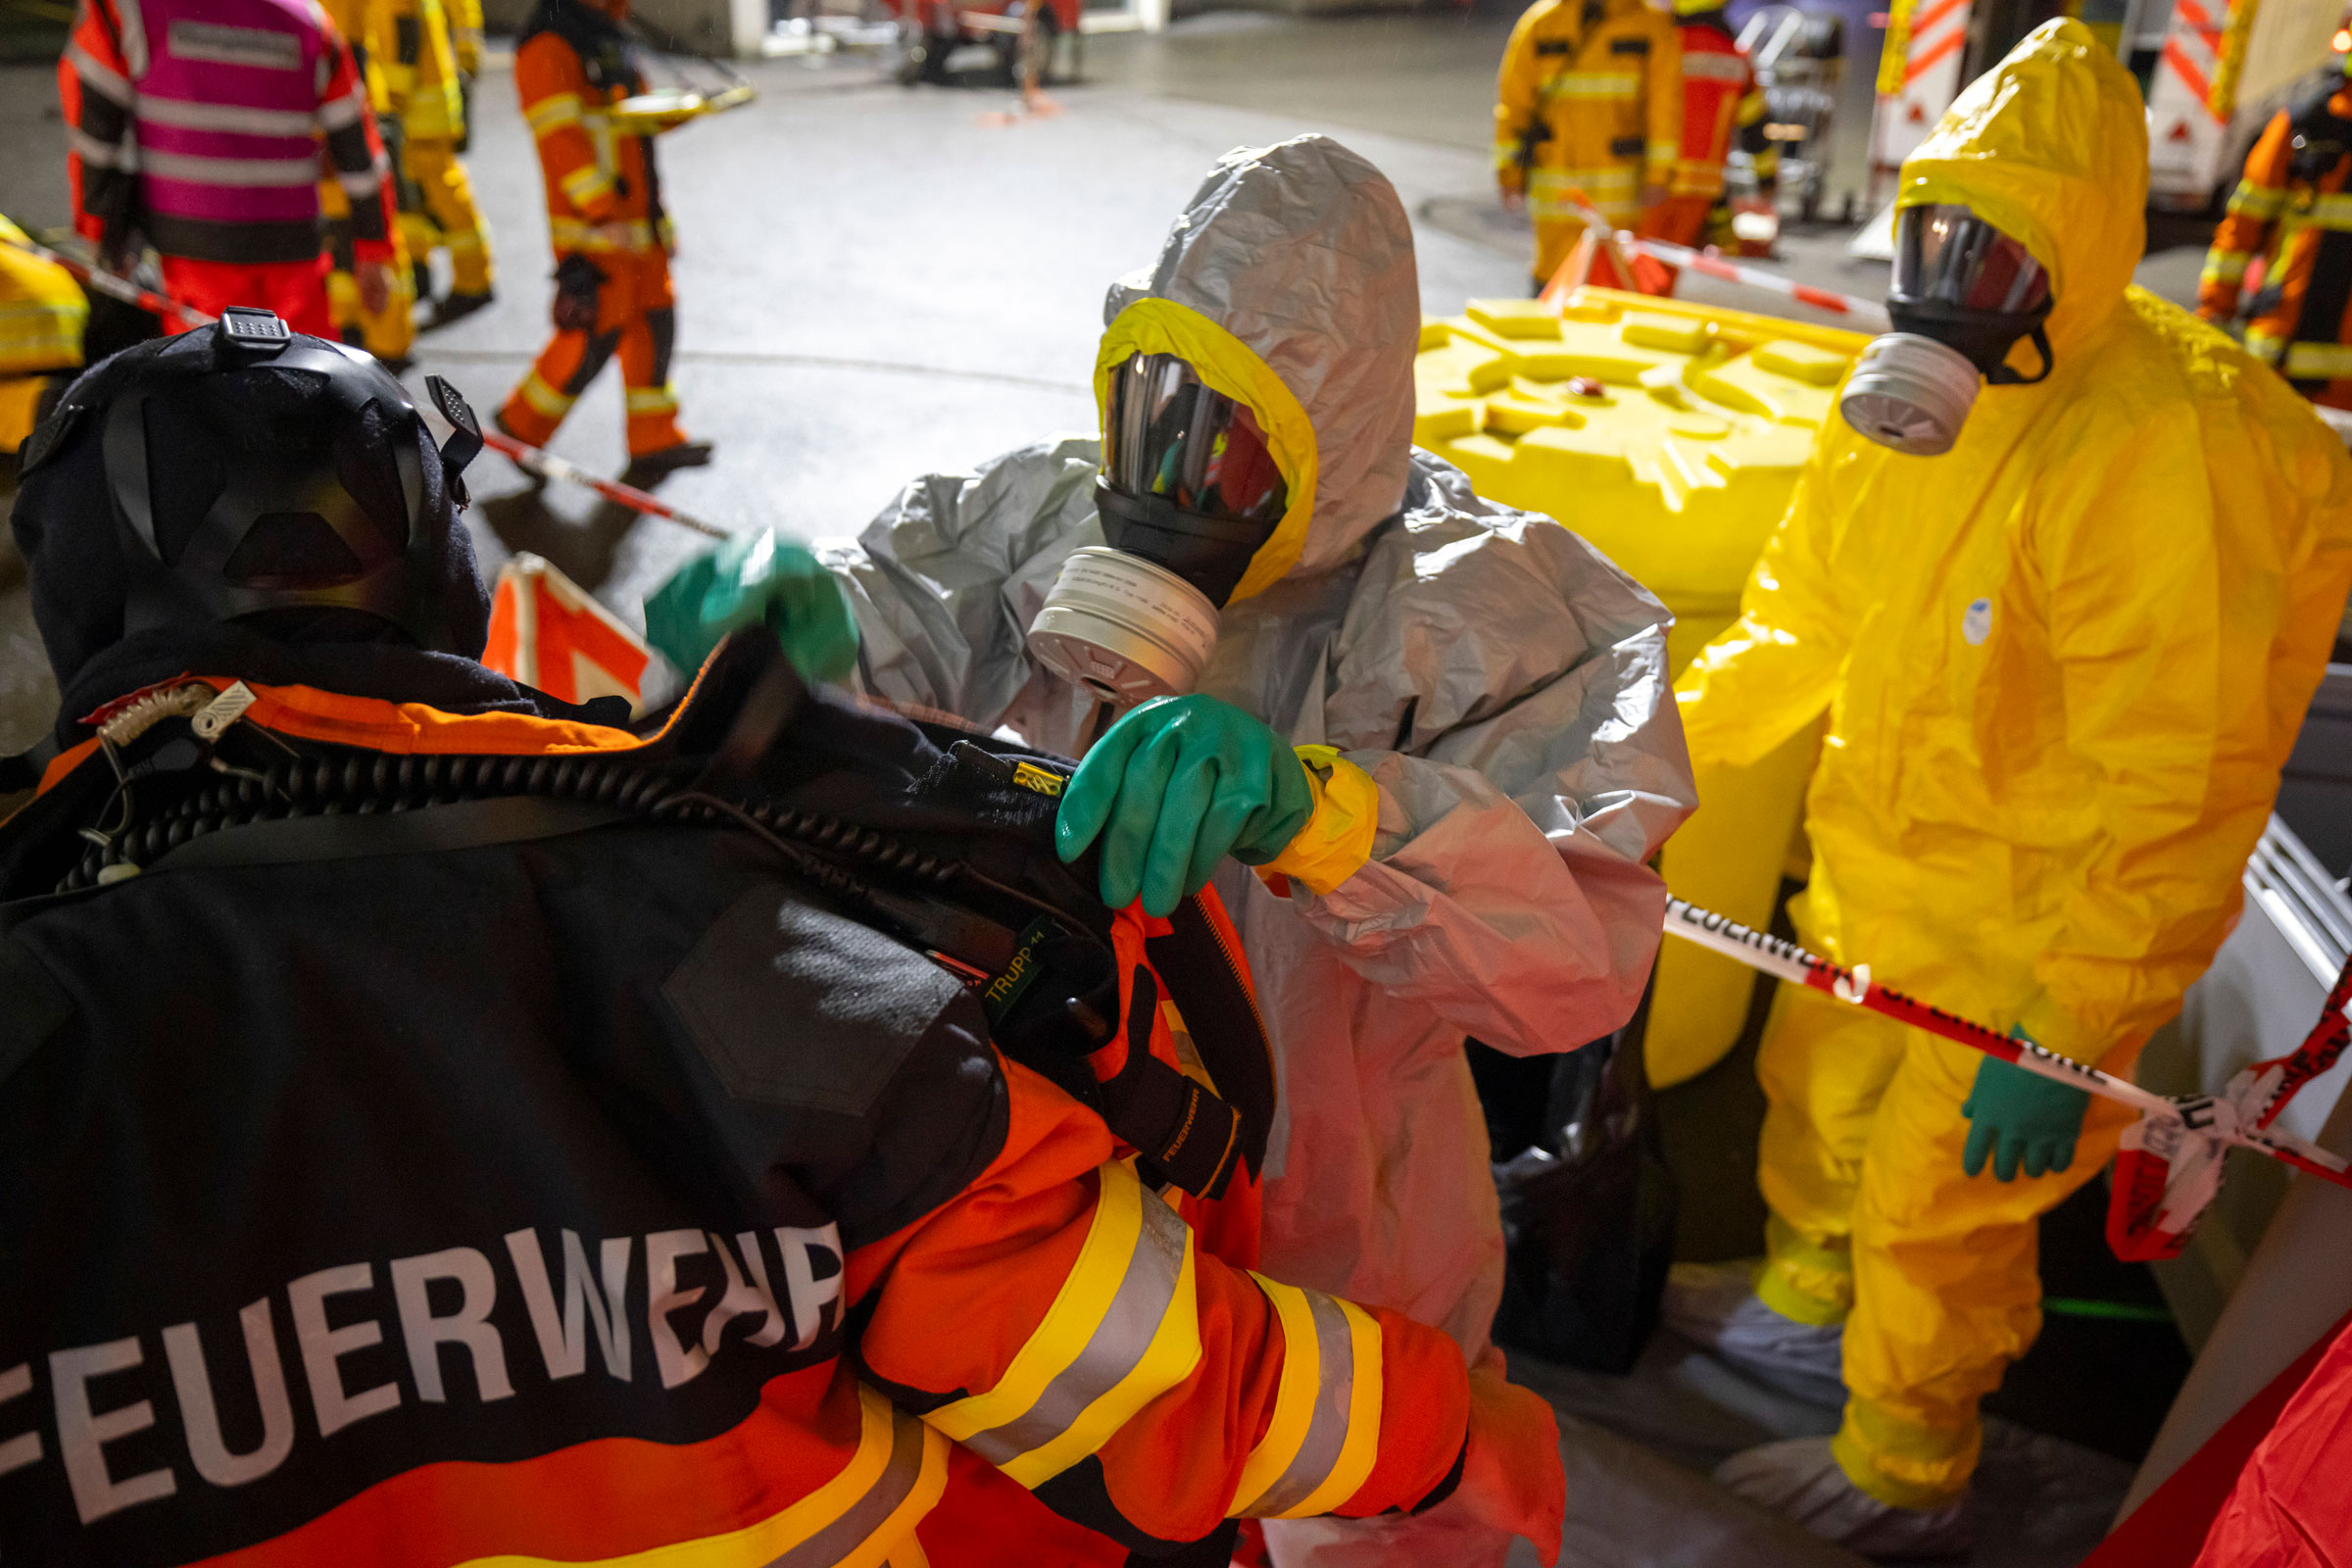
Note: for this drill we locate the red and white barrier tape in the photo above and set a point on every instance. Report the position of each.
(2170, 1167)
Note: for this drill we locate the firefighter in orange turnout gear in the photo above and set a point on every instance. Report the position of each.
(1589, 100)
(2293, 209)
(672, 1198)
(611, 238)
(1721, 102)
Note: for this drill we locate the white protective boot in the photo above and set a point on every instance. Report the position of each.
(1716, 1305)
(1803, 1481)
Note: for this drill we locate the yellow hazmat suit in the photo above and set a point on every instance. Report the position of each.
(1590, 99)
(2063, 664)
(421, 74)
(42, 313)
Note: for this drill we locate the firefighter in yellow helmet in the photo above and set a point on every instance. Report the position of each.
(2064, 579)
(1589, 103)
(437, 211)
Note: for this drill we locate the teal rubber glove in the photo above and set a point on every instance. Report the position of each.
(749, 579)
(2022, 1120)
(1175, 786)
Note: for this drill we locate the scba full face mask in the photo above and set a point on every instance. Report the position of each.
(1190, 492)
(1964, 293)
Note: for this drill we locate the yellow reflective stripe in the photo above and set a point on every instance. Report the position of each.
(2256, 201)
(554, 109)
(863, 1518)
(1123, 1330)
(39, 336)
(2224, 267)
(585, 184)
(1595, 84)
(1297, 1399)
(652, 400)
(622, 234)
(1664, 152)
(2328, 211)
(544, 398)
(1506, 155)
(2263, 347)
(1337, 839)
(2310, 361)
(1324, 1435)
(1603, 176)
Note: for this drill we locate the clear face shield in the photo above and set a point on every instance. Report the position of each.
(1963, 294)
(1189, 494)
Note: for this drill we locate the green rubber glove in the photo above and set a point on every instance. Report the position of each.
(1175, 786)
(754, 578)
(2022, 1120)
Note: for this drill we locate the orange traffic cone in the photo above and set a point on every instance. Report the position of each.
(1598, 261)
(546, 631)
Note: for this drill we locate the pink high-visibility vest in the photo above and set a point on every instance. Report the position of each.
(228, 109)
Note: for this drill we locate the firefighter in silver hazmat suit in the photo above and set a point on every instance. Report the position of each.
(1499, 681)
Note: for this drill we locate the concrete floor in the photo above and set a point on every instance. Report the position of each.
(873, 283)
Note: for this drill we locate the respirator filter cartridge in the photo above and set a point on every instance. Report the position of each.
(1123, 628)
(1910, 393)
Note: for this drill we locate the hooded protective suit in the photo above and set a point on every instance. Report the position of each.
(1502, 684)
(2063, 664)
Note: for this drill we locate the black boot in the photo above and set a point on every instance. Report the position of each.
(652, 467)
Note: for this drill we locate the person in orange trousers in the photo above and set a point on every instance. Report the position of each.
(572, 63)
(1720, 101)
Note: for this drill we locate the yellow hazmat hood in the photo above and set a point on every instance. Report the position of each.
(1287, 283)
(2051, 147)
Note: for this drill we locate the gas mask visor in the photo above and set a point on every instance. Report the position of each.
(1963, 294)
(1190, 492)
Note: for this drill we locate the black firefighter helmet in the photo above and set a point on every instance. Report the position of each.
(281, 481)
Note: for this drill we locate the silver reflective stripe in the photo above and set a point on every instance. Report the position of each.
(134, 38)
(225, 116)
(1117, 1346)
(363, 185)
(96, 154)
(338, 113)
(220, 44)
(100, 79)
(242, 172)
(1326, 1433)
(836, 1541)
(1715, 68)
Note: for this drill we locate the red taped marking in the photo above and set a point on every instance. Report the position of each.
(1713, 268)
(1935, 13)
(2186, 69)
(1922, 63)
(1822, 298)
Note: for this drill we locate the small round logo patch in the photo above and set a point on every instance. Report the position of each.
(1977, 625)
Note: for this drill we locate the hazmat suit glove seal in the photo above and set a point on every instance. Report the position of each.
(2020, 1119)
(1175, 786)
(754, 579)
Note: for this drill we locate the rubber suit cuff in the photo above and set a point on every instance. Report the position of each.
(1902, 1462)
(1337, 840)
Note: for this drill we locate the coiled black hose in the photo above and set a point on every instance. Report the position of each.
(367, 783)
